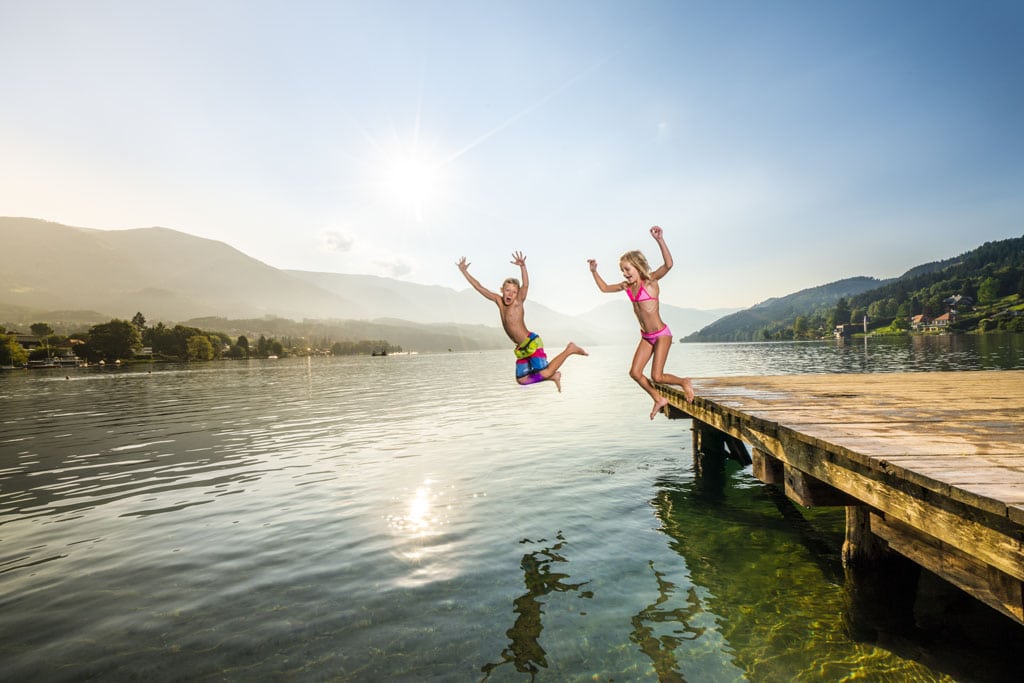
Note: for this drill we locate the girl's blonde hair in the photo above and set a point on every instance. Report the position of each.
(637, 259)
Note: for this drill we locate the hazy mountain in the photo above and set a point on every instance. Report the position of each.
(742, 325)
(79, 276)
(618, 325)
(164, 273)
(985, 274)
(610, 323)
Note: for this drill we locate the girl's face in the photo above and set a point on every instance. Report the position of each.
(629, 272)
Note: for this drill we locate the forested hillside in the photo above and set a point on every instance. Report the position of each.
(990, 279)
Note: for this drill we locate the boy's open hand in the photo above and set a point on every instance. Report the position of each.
(518, 258)
(462, 264)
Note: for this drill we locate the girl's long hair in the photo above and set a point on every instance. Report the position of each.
(637, 259)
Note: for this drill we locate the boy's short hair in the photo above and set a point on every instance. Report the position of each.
(511, 281)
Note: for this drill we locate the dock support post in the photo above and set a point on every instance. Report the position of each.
(708, 457)
(881, 585)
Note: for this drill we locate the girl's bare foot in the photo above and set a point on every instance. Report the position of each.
(557, 379)
(659, 403)
(688, 390)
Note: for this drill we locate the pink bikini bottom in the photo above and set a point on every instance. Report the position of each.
(650, 337)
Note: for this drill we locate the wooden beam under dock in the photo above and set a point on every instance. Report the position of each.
(930, 463)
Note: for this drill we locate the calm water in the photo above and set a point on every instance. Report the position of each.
(424, 518)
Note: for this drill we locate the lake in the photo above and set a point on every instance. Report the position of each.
(422, 517)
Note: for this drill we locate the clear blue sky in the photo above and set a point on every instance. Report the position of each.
(781, 145)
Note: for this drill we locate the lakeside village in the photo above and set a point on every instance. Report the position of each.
(962, 316)
(124, 341)
(121, 341)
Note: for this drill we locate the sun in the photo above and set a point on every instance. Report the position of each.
(413, 182)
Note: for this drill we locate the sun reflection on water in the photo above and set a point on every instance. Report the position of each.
(422, 538)
(423, 517)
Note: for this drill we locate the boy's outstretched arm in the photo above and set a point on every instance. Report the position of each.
(519, 259)
(659, 236)
(464, 269)
(601, 284)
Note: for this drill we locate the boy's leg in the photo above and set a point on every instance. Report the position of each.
(551, 371)
(570, 349)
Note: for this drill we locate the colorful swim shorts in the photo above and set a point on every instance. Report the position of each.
(531, 359)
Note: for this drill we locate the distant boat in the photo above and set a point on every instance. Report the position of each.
(56, 362)
(382, 352)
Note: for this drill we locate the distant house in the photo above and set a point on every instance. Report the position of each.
(28, 341)
(958, 300)
(942, 322)
(844, 330)
(918, 321)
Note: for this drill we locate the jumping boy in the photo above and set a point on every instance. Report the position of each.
(531, 362)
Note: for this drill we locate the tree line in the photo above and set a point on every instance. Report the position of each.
(126, 339)
(991, 277)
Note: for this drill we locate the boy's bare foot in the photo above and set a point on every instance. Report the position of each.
(688, 389)
(557, 379)
(573, 347)
(660, 403)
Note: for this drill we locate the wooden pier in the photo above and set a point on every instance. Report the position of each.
(929, 465)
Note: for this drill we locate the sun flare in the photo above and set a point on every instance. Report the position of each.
(413, 183)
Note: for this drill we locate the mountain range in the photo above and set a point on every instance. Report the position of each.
(73, 277)
(990, 277)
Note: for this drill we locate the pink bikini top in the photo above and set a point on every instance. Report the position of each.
(641, 295)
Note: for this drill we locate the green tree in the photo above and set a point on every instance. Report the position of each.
(111, 341)
(243, 343)
(800, 327)
(841, 313)
(988, 290)
(139, 321)
(11, 352)
(199, 347)
(217, 342)
(41, 329)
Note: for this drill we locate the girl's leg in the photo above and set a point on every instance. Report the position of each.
(658, 374)
(636, 372)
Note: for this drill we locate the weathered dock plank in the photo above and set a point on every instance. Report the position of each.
(937, 458)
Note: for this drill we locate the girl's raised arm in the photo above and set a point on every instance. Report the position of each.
(601, 284)
(659, 236)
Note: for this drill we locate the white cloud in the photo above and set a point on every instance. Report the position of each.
(394, 265)
(336, 241)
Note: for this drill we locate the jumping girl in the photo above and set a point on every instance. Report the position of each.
(641, 286)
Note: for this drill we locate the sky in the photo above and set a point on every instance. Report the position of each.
(780, 145)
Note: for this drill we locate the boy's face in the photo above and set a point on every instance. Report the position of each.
(509, 293)
(629, 272)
